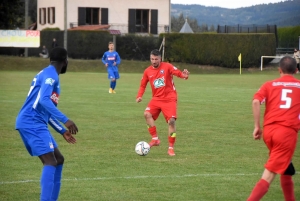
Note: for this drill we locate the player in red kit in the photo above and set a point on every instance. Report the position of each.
(164, 97)
(280, 128)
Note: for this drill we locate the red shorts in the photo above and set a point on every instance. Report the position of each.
(281, 142)
(167, 107)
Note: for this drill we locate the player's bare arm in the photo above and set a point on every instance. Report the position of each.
(256, 114)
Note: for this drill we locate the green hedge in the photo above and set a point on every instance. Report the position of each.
(288, 37)
(219, 49)
(135, 47)
(205, 49)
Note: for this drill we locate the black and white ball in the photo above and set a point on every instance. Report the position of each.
(142, 148)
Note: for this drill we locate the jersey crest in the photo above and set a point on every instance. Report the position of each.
(49, 81)
(158, 83)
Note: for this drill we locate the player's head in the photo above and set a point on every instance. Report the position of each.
(155, 58)
(111, 46)
(287, 65)
(59, 56)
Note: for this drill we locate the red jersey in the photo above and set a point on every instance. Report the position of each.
(282, 98)
(161, 81)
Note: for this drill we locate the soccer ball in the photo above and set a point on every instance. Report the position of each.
(142, 148)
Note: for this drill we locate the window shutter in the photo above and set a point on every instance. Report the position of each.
(49, 16)
(154, 21)
(40, 17)
(81, 16)
(104, 15)
(132, 21)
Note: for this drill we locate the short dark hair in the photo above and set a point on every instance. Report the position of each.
(155, 52)
(288, 65)
(58, 54)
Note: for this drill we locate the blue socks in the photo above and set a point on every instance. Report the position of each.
(57, 183)
(47, 182)
(113, 84)
(51, 182)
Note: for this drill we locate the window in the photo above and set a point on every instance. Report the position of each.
(139, 21)
(142, 21)
(51, 15)
(90, 16)
(42, 13)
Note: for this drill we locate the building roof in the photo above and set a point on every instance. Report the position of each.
(90, 27)
(115, 32)
(186, 28)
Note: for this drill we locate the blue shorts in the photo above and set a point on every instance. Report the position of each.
(113, 73)
(38, 141)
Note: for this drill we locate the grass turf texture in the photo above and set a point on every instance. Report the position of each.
(216, 157)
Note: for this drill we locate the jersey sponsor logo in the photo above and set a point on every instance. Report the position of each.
(286, 84)
(158, 83)
(111, 58)
(174, 68)
(55, 97)
(49, 81)
(162, 72)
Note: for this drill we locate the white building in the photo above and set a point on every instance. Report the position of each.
(127, 16)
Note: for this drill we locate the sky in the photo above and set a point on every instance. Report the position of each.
(226, 4)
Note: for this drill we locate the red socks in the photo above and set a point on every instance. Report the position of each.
(172, 139)
(152, 131)
(259, 190)
(287, 186)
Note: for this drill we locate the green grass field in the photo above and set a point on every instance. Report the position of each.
(216, 157)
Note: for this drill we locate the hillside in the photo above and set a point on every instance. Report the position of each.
(282, 14)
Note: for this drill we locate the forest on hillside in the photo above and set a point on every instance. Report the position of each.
(282, 14)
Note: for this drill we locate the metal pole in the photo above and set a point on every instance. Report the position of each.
(163, 53)
(114, 41)
(65, 27)
(26, 25)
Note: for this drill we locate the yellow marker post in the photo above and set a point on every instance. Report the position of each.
(240, 60)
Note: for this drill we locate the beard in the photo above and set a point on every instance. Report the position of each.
(64, 68)
(155, 65)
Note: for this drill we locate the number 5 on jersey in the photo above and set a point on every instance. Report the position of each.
(286, 99)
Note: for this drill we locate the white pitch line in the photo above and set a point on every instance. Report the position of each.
(138, 177)
(134, 177)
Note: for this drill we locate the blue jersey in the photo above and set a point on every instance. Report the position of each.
(111, 57)
(40, 108)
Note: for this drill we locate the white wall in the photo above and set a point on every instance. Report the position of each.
(59, 13)
(117, 11)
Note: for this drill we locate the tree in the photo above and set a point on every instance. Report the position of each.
(11, 14)
(212, 28)
(32, 10)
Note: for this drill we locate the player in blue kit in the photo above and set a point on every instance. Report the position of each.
(111, 60)
(38, 111)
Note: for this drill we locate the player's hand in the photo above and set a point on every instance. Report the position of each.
(69, 137)
(257, 133)
(71, 127)
(139, 99)
(115, 63)
(106, 64)
(186, 73)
